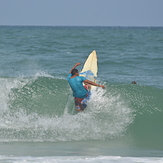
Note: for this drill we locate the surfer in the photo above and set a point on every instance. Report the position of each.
(76, 83)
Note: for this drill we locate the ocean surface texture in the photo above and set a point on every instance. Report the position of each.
(122, 123)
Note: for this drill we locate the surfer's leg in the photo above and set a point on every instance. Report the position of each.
(78, 104)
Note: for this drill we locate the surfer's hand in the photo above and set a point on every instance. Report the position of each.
(102, 86)
(77, 64)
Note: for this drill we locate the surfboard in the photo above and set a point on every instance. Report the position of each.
(90, 68)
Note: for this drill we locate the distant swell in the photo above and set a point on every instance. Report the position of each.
(41, 108)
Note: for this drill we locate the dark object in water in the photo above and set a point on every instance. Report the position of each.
(134, 82)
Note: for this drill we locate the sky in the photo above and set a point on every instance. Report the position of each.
(82, 12)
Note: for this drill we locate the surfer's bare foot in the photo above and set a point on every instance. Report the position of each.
(79, 110)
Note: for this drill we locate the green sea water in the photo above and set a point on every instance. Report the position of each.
(122, 122)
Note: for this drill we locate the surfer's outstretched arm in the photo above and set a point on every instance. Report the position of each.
(93, 83)
(77, 64)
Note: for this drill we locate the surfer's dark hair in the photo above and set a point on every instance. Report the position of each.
(74, 71)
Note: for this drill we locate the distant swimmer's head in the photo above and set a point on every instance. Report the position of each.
(134, 82)
(74, 72)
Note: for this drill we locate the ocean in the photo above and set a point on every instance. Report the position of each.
(122, 123)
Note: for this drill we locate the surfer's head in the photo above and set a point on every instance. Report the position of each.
(74, 72)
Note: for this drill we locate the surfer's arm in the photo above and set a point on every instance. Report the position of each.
(93, 83)
(77, 64)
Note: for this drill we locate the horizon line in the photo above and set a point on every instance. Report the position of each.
(80, 26)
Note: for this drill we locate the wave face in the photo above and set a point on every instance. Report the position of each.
(147, 106)
(41, 108)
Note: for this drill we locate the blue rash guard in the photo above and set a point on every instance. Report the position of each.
(77, 87)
